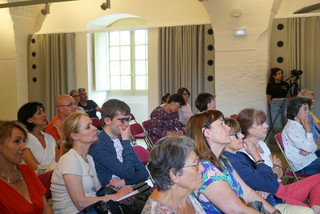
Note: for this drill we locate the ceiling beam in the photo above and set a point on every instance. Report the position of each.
(308, 9)
(31, 2)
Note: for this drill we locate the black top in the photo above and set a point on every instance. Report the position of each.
(90, 108)
(278, 90)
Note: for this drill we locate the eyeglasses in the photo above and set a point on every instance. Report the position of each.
(237, 134)
(196, 164)
(70, 104)
(124, 120)
(76, 95)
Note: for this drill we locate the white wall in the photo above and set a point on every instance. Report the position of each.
(241, 63)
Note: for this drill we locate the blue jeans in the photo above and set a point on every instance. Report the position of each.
(278, 106)
(312, 168)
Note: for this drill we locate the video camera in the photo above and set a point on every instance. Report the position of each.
(296, 72)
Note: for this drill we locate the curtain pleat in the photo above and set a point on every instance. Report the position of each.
(54, 71)
(182, 59)
(304, 52)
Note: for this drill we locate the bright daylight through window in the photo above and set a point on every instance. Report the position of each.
(121, 61)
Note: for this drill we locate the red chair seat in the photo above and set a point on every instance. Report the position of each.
(139, 135)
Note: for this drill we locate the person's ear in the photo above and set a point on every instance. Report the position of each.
(205, 132)
(174, 176)
(107, 121)
(30, 120)
(74, 136)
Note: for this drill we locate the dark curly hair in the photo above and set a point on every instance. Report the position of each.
(27, 111)
(295, 104)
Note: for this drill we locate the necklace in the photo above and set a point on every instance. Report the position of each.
(11, 180)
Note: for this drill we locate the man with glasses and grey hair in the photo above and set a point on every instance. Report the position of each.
(65, 106)
(115, 160)
(89, 106)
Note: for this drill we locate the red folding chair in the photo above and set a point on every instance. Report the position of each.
(146, 125)
(137, 132)
(45, 179)
(288, 172)
(96, 122)
(142, 154)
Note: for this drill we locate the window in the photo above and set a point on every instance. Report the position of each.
(121, 61)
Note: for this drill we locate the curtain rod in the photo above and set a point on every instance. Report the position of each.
(32, 2)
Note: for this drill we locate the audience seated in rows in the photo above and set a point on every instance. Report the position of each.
(76, 96)
(259, 176)
(89, 106)
(205, 102)
(65, 106)
(164, 120)
(222, 188)
(314, 121)
(176, 172)
(41, 147)
(74, 181)
(184, 111)
(20, 189)
(116, 162)
(298, 141)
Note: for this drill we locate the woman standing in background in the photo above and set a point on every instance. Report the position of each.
(277, 91)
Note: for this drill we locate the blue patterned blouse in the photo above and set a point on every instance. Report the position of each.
(212, 174)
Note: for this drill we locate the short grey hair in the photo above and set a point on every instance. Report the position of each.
(169, 153)
(303, 92)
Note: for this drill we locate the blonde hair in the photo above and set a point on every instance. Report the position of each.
(233, 124)
(71, 125)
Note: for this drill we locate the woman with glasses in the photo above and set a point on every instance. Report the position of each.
(261, 178)
(164, 120)
(42, 151)
(74, 181)
(222, 190)
(176, 172)
(76, 96)
(185, 111)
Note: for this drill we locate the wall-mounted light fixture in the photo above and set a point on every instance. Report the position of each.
(106, 5)
(240, 32)
(46, 10)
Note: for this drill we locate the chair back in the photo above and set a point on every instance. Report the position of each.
(146, 125)
(234, 116)
(142, 154)
(288, 172)
(136, 128)
(96, 122)
(45, 179)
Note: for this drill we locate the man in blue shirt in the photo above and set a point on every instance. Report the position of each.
(115, 160)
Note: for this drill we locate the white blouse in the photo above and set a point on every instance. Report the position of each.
(294, 138)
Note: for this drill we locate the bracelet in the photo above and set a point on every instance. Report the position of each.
(259, 161)
(277, 166)
(276, 211)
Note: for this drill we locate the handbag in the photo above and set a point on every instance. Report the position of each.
(110, 207)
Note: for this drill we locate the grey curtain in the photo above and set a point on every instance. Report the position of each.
(182, 63)
(304, 52)
(50, 68)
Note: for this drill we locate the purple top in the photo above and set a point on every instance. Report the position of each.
(161, 122)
